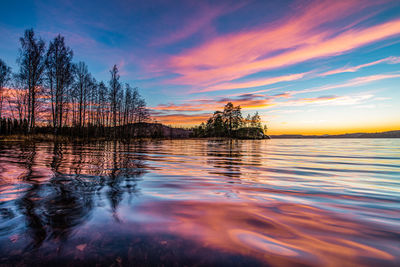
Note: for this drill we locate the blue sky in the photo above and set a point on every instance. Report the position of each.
(305, 66)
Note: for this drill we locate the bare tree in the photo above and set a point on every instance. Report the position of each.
(102, 104)
(134, 104)
(18, 99)
(59, 77)
(127, 103)
(142, 112)
(5, 75)
(82, 77)
(115, 88)
(92, 96)
(32, 64)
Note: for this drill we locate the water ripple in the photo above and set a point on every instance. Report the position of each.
(310, 202)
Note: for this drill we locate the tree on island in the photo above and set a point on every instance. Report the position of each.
(215, 125)
(232, 117)
(255, 120)
(230, 123)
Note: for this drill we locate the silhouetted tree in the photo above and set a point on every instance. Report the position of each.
(32, 65)
(215, 125)
(127, 103)
(102, 107)
(142, 112)
(230, 123)
(255, 120)
(247, 121)
(232, 116)
(115, 88)
(265, 128)
(91, 103)
(59, 73)
(81, 84)
(5, 75)
(19, 98)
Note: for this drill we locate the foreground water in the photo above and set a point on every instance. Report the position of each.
(315, 202)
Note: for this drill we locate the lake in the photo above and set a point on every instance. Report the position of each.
(282, 202)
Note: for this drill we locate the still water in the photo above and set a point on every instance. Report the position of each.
(331, 202)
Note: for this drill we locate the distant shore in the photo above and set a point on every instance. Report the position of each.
(387, 134)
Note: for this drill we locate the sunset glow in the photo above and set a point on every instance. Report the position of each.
(308, 67)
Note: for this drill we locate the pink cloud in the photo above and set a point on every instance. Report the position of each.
(302, 37)
(257, 101)
(249, 102)
(253, 83)
(246, 101)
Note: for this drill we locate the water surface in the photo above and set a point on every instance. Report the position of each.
(330, 202)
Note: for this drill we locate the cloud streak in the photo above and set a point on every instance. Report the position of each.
(182, 119)
(251, 102)
(353, 82)
(298, 39)
(390, 60)
(253, 83)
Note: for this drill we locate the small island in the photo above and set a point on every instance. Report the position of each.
(230, 123)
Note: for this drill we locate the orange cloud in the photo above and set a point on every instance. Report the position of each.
(284, 95)
(200, 106)
(251, 103)
(173, 107)
(182, 119)
(317, 99)
(246, 101)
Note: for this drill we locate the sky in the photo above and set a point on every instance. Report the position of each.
(307, 67)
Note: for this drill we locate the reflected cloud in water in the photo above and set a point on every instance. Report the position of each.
(210, 202)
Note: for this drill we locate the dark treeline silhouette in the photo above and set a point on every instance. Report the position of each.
(230, 123)
(52, 94)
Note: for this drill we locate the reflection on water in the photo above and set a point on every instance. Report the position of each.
(201, 202)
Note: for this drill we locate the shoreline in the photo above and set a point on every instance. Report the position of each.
(61, 138)
(38, 137)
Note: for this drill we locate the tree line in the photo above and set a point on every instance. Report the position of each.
(64, 96)
(230, 123)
